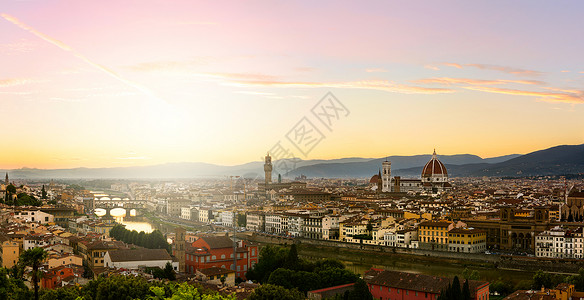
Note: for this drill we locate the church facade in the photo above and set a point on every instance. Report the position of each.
(434, 179)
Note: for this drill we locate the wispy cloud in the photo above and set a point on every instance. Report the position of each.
(507, 70)
(469, 81)
(240, 79)
(67, 48)
(14, 82)
(454, 65)
(565, 97)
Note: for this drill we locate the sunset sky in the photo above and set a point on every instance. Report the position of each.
(120, 83)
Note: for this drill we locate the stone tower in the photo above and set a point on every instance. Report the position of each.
(268, 169)
(180, 248)
(386, 176)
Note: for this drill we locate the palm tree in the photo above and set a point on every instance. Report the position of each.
(34, 258)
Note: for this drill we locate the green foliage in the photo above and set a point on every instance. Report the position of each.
(60, 294)
(577, 280)
(169, 272)
(292, 258)
(466, 291)
(12, 288)
(452, 292)
(153, 240)
(282, 266)
(23, 199)
(363, 237)
(548, 280)
(468, 274)
(34, 258)
(270, 259)
(275, 292)
(360, 291)
(43, 193)
(76, 187)
(11, 189)
(503, 287)
(241, 220)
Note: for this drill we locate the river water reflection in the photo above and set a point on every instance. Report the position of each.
(361, 262)
(119, 215)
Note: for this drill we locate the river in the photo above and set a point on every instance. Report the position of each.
(120, 214)
(361, 262)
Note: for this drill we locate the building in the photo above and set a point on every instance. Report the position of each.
(560, 242)
(255, 221)
(435, 176)
(573, 209)
(434, 179)
(34, 216)
(562, 291)
(268, 185)
(433, 235)
(217, 251)
(62, 215)
(214, 274)
(512, 232)
(10, 251)
(467, 240)
(173, 206)
(385, 284)
(330, 292)
(136, 258)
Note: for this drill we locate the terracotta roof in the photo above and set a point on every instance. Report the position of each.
(218, 242)
(139, 255)
(415, 282)
(434, 167)
(212, 271)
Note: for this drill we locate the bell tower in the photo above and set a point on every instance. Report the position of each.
(386, 176)
(268, 169)
(180, 242)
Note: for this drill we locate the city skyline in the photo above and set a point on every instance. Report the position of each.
(107, 84)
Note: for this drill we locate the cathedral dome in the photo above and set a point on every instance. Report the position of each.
(374, 179)
(434, 168)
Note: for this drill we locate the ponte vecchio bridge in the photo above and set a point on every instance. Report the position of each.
(127, 204)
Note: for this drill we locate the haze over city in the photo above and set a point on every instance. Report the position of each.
(132, 83)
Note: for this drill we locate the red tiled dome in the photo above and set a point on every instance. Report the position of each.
(374, 179)
(434, 167)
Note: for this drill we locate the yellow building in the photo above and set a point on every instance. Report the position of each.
(348, 229)
(468, 240)
(434, 234)
(10, 252)
(94, 252)
(64, 260)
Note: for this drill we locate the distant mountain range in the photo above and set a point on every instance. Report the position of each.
(566, 159)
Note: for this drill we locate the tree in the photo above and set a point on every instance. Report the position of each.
(292, 259)
(369, 227)
(12, 288)
(169, 272)
(468, 274)
(360, 291)
(34, 257)
(43, 193)
(275, 292)
(456, 292)
(466, 291)
(241, 220)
